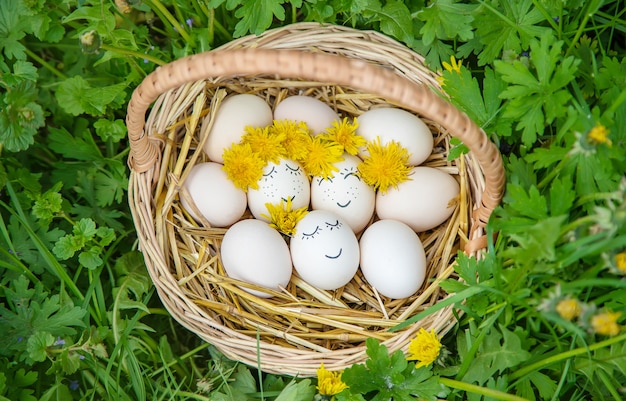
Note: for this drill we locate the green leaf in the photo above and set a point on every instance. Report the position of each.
(13, 28)
(539, 240)
(530, 204)
(394, 18)
(536, 100)
(243, 380)
(66, 247)
(107, 130)
(80, 146)
(22, 71)
(501, 349)
(446, 20)
(507, 25)
(76, 96)
(20, 117)
(70, 362)
(38, 344)
(256, 16)
(562, 195)
(90, 258)
(297, 390)
(48, 204)
(111, 184)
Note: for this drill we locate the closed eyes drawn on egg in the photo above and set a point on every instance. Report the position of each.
(269, 174)
(334, 226)
(350, 173)
(293, 170)
(312, 235)
(320, 180)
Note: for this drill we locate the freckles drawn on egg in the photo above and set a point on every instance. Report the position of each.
(351, 191)
(321, 231)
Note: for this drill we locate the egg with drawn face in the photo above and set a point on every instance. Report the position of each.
(285, 180)
(324, 250)
(345, 194)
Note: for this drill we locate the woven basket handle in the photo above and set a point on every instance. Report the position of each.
(319, 67)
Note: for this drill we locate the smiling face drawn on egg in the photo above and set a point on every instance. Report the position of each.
(345, 194)
(324, 250)
(284, 181)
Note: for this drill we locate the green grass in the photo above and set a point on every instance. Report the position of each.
(79, 316)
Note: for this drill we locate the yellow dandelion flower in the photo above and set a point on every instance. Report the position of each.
(599, 134)
(344, 133)
(283, 218)
(329, 383)
(268, 146)
(606, 323)
(321, 157)
(620, 261)
(243, 166)
(424, 348)
(385, 165)
(568, 309)
(296, 136)
(453, 65)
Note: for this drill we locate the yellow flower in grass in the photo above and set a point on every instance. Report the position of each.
(295, 137)
(385, 165)
(568, 309)
(620, 261)
(267, 145)
(283, 218)
(344, 133)
(321, 157)
(606, 323)
(243, 166)
(424, 348)
(329, 383)
(599, 134)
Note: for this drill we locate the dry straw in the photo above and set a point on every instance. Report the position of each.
(301, 326)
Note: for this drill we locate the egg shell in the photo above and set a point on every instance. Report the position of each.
(317, 115)
(254, 252)
(324, 250)
(234, 114)
(281, 181)
(392, 258)
(214, 195)
(345, 194)
(393, 124)
(423, 202)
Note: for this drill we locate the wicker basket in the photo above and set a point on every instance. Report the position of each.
(301, 327)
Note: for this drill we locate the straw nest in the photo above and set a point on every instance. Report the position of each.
(302, 326)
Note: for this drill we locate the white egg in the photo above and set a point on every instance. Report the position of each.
(324, 250)
(345, 194)
(254, 252)
(393, 124)
(423, 202)
(214, 195)
(283, 181)
(233, 116)
(392, 258)
(316, 114)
